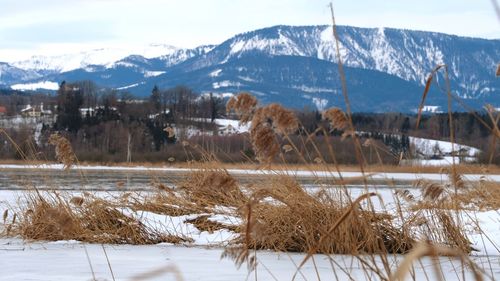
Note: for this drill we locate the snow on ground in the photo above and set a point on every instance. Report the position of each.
(35, 86)
(482, 227)
(435, 147)
(201, 260)
(67, 260)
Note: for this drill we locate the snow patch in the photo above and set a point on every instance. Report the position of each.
(432, 109)
(307, 89)
(148, 74)
(129, 86)
(48, 85)
(320, 103)
(215, 73)
(225, 84)
(431, 147)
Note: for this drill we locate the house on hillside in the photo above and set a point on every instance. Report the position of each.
(3, 111)
(228, 130)
(35, 111)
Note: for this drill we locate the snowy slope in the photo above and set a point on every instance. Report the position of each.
(407, 54)
(10, 74)
(104, 56)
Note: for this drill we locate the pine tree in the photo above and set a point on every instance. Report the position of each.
(155, 99)
(69, 101)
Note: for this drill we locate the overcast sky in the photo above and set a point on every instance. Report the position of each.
(30, 27)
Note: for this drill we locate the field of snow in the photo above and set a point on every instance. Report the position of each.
(201, 260)
(430, 147)
(67, 260)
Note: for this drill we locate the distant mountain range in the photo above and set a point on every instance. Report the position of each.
(294, 65)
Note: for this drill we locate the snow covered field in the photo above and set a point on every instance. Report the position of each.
(67, 260)
(201, 259)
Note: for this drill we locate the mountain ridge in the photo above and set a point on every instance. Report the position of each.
(406, 54)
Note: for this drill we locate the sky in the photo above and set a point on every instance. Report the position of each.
(51, 27)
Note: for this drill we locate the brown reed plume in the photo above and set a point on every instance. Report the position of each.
(267, 123)
(243, 105)
(338, 119)
(64, 152)
(281, 120)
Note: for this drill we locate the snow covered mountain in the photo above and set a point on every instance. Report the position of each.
(409, 55)
(294, 65)
(10, 74)
(103, 56)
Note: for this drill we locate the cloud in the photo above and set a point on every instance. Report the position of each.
(188, 23)
(69, 32)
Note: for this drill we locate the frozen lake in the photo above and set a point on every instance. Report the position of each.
(136, 180)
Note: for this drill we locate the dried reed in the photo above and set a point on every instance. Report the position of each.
(64, 152)
(427, 249)
(338, 119)
(243, 105)
(52, 217)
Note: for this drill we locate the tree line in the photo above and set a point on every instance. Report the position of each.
(105, 125)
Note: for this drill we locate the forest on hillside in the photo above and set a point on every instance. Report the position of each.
(178, 125)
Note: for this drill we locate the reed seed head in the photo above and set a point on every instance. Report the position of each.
(338, 119)
(243, 105)
(64, 152)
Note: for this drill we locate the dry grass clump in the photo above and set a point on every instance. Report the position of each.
(433, 217)
(164, 201)
(161, 203)
(485, 195)
(481, 195)
(204, 224)
(53, 217)
(212, 187)
(284, 217)
(64, 152)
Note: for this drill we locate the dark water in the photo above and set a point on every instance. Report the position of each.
(115, 180)
(21, 179)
